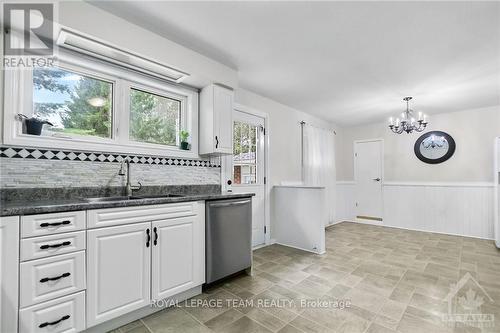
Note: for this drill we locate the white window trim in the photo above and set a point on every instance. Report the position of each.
(18, 99)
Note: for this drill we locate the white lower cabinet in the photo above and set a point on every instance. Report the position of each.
(64, 314)
(9, 280)
(129, 265)
(119, 267)
(73, 275)
(178, 256)
(44, 279)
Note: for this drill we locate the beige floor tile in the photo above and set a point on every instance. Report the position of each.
(442, 271)
(311, 289)
(353, 325)
(244, 325)
(389, 323)
(418, 279)
(402, 293)
(266, 319)
(377, 285)
(364, 299)
(306, 325)
(376, 328)
(393, 309)
(338, 291)
(360, 312)
(396, 280)
(141, 329)
(428, 303)
(173, 320)
(411, 324)
(223, 319)
(290, 329)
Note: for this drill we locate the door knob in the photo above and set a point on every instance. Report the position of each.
(376, 179)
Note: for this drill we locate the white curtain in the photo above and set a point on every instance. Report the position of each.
(319, 163)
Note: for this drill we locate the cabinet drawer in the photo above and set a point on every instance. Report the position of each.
(45, 279)
(115, 216)
(46, 246)
(55, 223)
(65, 314)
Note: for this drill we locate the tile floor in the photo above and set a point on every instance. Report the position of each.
(395, 280)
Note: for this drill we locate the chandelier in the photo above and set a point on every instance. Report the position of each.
(408, 123)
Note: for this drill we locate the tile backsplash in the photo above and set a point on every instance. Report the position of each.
(33, 167)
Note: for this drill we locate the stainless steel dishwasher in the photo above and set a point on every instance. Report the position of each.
(228, 237)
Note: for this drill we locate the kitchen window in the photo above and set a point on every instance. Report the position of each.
(154, 118)
(75, 104)
(92, 105)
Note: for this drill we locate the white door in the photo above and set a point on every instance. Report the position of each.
(368, 175)
(118, 271)
(246, 167)
(178, 255)
(9, 261)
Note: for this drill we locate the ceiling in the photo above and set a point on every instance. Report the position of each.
(346, 62)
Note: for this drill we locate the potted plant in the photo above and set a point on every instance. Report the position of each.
(184, 135)
(34, 124)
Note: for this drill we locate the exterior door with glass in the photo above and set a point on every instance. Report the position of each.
(246, 167)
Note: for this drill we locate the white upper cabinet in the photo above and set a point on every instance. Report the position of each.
(216, 120)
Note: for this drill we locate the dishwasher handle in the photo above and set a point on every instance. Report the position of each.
(228, 204)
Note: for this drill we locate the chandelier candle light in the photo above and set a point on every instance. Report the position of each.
(408, 123)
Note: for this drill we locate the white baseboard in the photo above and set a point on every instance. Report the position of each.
(371, 222)
(299, 248)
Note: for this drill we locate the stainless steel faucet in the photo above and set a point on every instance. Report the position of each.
(128, 187)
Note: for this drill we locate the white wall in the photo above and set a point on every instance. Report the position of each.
(284, 138)
(454, 197)
(284, 134)
(473, 131)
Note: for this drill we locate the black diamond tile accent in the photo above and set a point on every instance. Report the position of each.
(101, 157)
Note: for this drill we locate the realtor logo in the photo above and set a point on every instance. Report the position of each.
(29, 29)
(464, 304)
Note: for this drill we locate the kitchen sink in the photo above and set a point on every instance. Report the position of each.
(118, 198)
(159, 196)
(133, 197)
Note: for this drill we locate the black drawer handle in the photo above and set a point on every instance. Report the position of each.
(55, 278)
(54, 224)
(54, 322)
(149, 237)
(47, 246)
(156, 236)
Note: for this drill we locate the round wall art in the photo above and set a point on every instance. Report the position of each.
(434, 147)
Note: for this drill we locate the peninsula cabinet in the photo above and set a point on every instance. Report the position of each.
(158, 253)
(9, 261)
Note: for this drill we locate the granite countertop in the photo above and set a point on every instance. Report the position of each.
(26, 205)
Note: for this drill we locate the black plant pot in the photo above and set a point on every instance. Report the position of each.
(184, 145)
(34, 126)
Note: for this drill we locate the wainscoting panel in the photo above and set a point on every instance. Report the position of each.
(453, 208)
(465, 210)
(345, 201)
